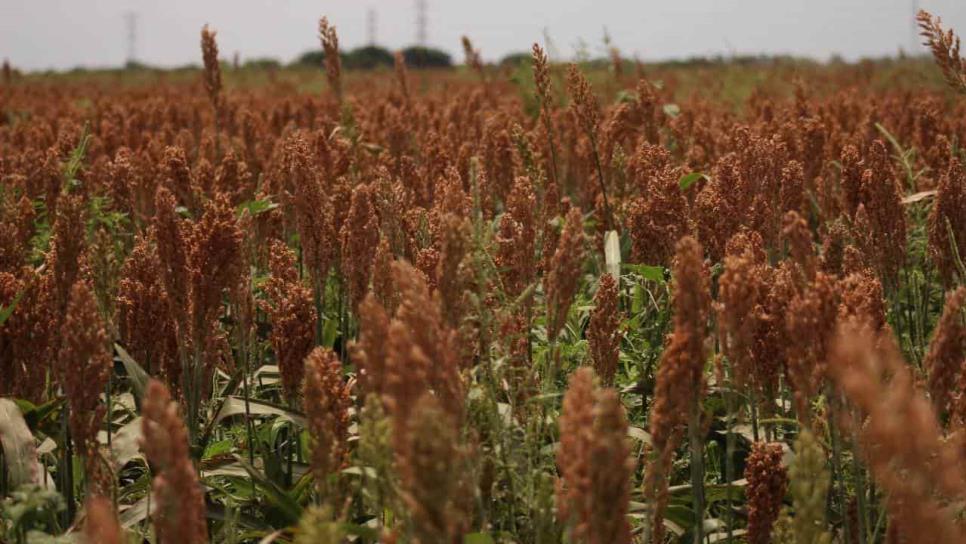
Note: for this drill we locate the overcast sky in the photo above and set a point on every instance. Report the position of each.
(41, 34)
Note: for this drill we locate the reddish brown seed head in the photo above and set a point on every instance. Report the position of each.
(209, 53)
(84, 365)
(947, 221)
(541, 77)
(433, 468)
(291, 311)
(333, 62)
(145, 318)
(178, 502)
(583, 106)
(562, 279)
(947, 352)
(603, 330)
(359, 237)
(767, 483)
(944, 45)
(214, 259)
(918, 471)
(326, 402)
(369, 352)
(102, 526)
(595, 464)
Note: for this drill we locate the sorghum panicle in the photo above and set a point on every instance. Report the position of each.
(562, 279)
(359, 237)
(84, 365)
(947, 352)
(291, 311)
(326, 403)
(102, 526)
(435, 484)
(603, 330)
(178, 501)
(767, 483)
(209, 52)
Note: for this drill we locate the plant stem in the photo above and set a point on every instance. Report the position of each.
(859, 476)
(729, 462)
(697, 468)
(68, 457)
(608, 216)
(838, 490)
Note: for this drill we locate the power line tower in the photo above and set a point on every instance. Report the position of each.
(421, 22)
(371, 26)
(131, 21)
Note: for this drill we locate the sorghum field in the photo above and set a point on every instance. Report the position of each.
(714, 302)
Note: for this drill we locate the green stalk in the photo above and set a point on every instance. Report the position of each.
(753, 410)
(609, 223)
(319, 299)
(858, 476)
(246, 394)
(68, 474)
(697, 468)
(107, 420)
(729, 453)
(838, 489)
(553, 148)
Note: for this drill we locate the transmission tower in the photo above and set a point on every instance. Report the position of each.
(421, 22)
(131, 21)
(371, 26)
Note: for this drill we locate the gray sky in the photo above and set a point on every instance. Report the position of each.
(40, 34)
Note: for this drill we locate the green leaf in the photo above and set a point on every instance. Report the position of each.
(7, 311)
(276, 496)
(478, 538)
(234, 406)
(139, 378)
(77, 156)
(256, 207)
(625, 96)
(135, 514)
(36, 415)
(688, 180)
(648, 272)
(329, 332)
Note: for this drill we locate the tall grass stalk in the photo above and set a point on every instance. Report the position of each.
(696, 444)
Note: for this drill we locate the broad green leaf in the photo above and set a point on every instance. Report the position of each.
(688, 180)
(234, 406)
(329, 332)
(136, 513)
(7, 311)
(648, 272)
(478, 538)
(256, 207)
(139, 378)
(278, 497)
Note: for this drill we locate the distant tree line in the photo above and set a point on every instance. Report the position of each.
(372, 56)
